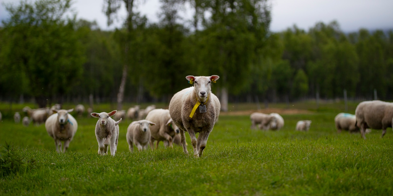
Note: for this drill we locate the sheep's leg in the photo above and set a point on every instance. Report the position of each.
(252, 124)
(363, 130)
(202, 141)
(158, 142)
(193, 141)
(183, 141)
(152, 143)
(101, 146)
(106, 149)
(113, 148)
(66, 145)
(168, 138)
(139, 146)
(131, 146)
(383, 132)
(58, 145)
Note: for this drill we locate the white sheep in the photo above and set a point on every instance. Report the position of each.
(40, 115)
(89, 111)
(260, 119)
(26, 121)
(303, 125)
(196, 110)
(132, 113)
(164, 128)
(54, 107)
(144, 112)
(374, 115)
(119, 115)
(61, 126)
(138, 133)
(79, 109)
(277, 122)
(28, 111)
(17, 117)
(107, 132)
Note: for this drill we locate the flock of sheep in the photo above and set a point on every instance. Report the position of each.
(194, 110)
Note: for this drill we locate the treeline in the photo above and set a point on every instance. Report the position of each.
(52, 58)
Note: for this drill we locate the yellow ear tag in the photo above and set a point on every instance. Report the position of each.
(191, 81)
(194, 109)
(214, 81)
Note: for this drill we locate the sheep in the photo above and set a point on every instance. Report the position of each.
(26, 121)
(176, 140)
(345, 121)
(79, 109)
(138, 133)
(40, 115)
(107, 132)
(133, 112)
(119, 115)
(277, 122)
(61, 126)
(303, 125)
(17, 117)
(164, 128)
(144, 112)
(374, 115)
(28, 111)
(184, 111)
(89, 111)
(54, 107)
(260, 119)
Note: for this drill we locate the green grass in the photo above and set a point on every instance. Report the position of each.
(236, 161)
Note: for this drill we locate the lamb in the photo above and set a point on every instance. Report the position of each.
(79, 109)
(196, 110)
(260, 119)
(303, 125)
(138, 133)
(164, 128)
(17, 117)
(39, 116)
(61, 126)
(107, 132)
(374, 115)
(119, 115)
(133, 112)
(277, 122)
(176, 140)
(26, 121)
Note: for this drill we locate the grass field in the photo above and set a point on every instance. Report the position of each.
(236, 161)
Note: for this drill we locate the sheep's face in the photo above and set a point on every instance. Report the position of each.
(171, 124)
(273, 123)
(103, 117)
(308, 123)
(62, 116)
(202, 85)
(145, 125)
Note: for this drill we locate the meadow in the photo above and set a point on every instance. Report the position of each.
(236, 161)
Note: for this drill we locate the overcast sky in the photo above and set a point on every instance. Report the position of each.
(351, 14)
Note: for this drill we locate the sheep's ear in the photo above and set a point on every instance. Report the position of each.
(152, 123)
(70, 110)
(169, 123)
(54, 111)
(214, 78)
(190, 79)
(95, 115)
(112, 113)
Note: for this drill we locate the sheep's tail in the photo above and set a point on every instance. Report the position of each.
(117, 122)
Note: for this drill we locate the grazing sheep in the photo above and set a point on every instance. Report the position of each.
(260, 119)
(107, 132)
(119, 115)
(40, 115)
(164, 128)
(28, 111)
(303, 125)
(133, 112)
(138, 133)
(26, 121)
(374, 115)
(17, 117)
(61, 126)
(144, 112)
(196, 110)
(176, 140)
(345, 121)
(277, 122)
(79, 109)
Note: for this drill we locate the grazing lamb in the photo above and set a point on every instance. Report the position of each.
(164, 128)
(17, 117)
(61, 126)
(374, 115)
(119, 115)
(79, 109)
(138, 133)
(196, 110)
(303, 125)
(107, 132)
(26, 121)
(133, 112)
(277, 122)
(260, 119)
(40, 115)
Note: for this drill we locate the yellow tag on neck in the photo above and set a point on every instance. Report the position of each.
(194, 109)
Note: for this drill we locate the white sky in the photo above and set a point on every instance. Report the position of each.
(351, 14)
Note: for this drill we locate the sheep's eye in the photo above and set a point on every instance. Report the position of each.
(208, 82)
(196, 82)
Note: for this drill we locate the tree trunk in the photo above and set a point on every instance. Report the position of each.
(120, 95)
(91, 99)
(41, 101)
(224, 99)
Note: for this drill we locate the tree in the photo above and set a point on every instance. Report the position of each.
(300, 84)
(44, 47)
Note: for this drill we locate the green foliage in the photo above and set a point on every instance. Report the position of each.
(300, 84)
(11, 162)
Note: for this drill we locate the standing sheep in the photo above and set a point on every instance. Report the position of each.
(40, 115)
(107, 132)
(119, 115)
(374, 115)
(79, 109)
(164, 128)
(260, 119)
(277, 122)
(303, 125)
(17, 117)
(138, 133)
(196, 110)
(144, 112)
(133, 112)
(61, 126)
(25, 121)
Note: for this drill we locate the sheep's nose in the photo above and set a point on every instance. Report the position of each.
(61, 120)
(177, 131)
(203, 93)
(144, 129)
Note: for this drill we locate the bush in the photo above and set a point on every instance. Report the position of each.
(11, 162)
